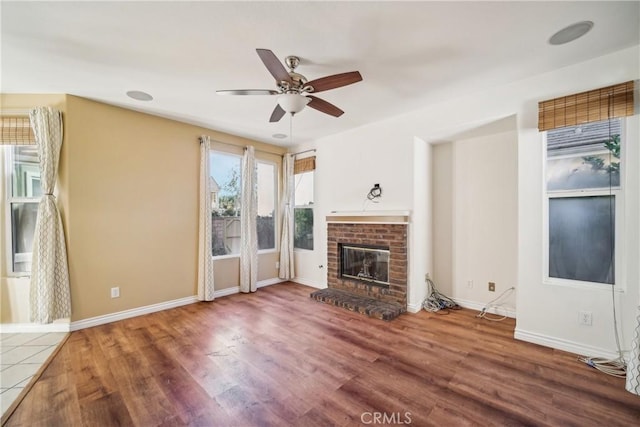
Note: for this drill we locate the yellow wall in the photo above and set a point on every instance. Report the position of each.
(128, 193)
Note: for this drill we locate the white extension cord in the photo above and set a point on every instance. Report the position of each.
(436, 302)
(494, 305)
(613, 367)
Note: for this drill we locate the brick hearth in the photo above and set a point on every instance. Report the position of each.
(362, 296)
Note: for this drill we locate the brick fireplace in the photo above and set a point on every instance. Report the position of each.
(359, 292)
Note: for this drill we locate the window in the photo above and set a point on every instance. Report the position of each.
(303, 211)
(226, 191)
(266, 205)
(225, 186)
(583, 195)
(23, 192)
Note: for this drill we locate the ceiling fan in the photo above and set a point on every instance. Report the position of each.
(294, 88)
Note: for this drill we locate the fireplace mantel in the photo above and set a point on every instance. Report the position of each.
(369, 217)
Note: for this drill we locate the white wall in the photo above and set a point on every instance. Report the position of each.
(442, 211)
(346, 169)
(548, 314)
(485, 207)
(420, 235)
(351, 162)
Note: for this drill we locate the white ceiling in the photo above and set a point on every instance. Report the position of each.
(410, 54)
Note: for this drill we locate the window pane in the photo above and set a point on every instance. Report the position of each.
(25, 177)
(225, 202)
(581, 238)
(585, 156)
(23, 224)
(303, 235)
(304, 189)
(266, 205)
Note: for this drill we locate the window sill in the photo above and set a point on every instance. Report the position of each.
(267, 251)
(229, 256)
(577, 284)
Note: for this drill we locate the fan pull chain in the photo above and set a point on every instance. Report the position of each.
(291, 129)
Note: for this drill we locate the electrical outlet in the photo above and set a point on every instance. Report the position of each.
(277, 264)
(470, 284)
(115, 292)
(492, 287)
(585, 318)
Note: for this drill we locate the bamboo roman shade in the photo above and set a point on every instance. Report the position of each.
(304, 165)
(16, 130)
(591, 106)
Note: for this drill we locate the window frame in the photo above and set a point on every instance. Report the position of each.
(308, 206)
(239, 156)
(9, 199)
(276, 174)
(618, 194)
(275, 207)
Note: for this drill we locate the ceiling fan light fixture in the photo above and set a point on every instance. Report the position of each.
(292, 102)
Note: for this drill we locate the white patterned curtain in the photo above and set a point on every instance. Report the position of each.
(205, 256)
(248, 226)
(50, 295)
(633, 367)
(287, 270)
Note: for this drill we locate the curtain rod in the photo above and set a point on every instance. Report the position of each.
(262, 151)
(243, 147)
(305, 151)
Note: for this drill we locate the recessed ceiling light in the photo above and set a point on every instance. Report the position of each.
(139, 95)
(279, 135)
(570, 33)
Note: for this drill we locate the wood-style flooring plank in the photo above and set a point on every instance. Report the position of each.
(279, 358)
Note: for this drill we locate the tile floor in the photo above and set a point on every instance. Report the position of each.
(21, 355)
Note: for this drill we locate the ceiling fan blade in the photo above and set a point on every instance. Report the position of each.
(247, 92)
(277, 114)
(334, 81)
(274, 65)
(324, 106)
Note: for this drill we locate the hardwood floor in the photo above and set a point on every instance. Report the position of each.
(278, 358)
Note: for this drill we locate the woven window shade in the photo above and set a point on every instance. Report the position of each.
(304, 165)
(592, 106)
(16, 130)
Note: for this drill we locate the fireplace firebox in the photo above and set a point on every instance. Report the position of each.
(364, 263)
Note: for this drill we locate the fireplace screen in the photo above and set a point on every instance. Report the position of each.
(365, 263)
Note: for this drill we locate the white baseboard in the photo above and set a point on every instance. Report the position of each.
(226, 292)
(236, 289)
(473, 305)
(309, 282)
(14, 328)
(269, 282)
(134, 312)
(414, 308)
(127, 314)
(562, 344)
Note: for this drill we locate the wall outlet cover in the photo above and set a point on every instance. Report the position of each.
(585, 318)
